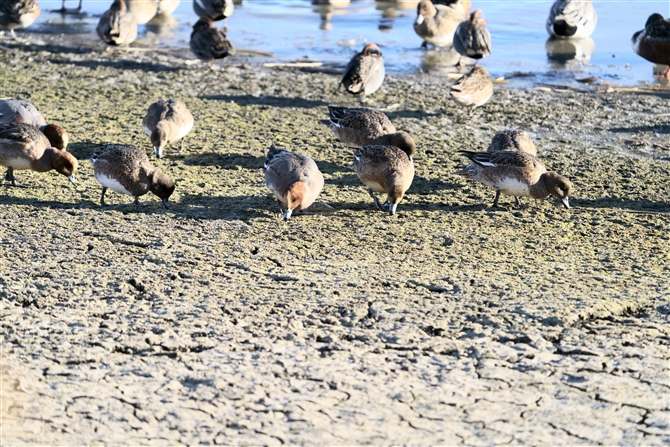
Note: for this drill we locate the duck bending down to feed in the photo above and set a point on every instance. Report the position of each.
(358, 127)
(571, 19)
(293, 178)
(365, 72)
(20, 111)
(517, 174)
(653, 42)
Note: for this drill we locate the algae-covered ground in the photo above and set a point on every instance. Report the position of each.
(215, 322)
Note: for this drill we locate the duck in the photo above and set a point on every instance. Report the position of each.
(117, 26)
(358, 127)
(208, 42)
(472, 39)
(126, 169)
(473, 89)
(436, 23)
(512, 140)
(293, 178)
(214, 9)
(15, 14)
(142, 10)
(653, 42)
(167, 120)
(386, 170)
(24, 147)
(364, 73)
(20, 111)
(571, 19)
(517, 174)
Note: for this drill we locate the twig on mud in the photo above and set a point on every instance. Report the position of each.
(645, 141)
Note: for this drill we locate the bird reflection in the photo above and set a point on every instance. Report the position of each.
(440, 61)
(390, 8)
(570, 51)
(162, 25)
(326, 9)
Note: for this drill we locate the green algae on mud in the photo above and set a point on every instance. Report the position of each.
(220, 267)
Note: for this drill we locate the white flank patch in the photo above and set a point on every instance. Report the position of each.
(513, 187)
(18, 164)
(112, 184)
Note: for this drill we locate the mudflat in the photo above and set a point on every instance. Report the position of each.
(216, 322)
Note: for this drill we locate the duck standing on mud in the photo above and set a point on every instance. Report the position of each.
(358, 127)
(653, 42)
(517, 174)
(20, 111)
(167, 120)
(571, 19)
(473, 89)
(117, 25)
(293, 178)
(15, 14)
(208, 42)
(364, 73)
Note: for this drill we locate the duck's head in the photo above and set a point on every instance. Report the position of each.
(558, 186)
(654, 18)
(159, 139)
(64, 163)
(424, 10)
(56, 135)
(372, 49)
(403, 141)
(294, 197)
(474, 17)
(162, 186)
(203, 23)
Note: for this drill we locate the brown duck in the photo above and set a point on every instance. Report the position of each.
(473, 89)
(24, 147)
(117, 25)
(126, 169)
(208, 42)
(15, 14)
(365, 72)
(20, 111)
(516, 174)
(386, 170)
(358, 127)
(293, 178)
(167, 120)
(653, 42)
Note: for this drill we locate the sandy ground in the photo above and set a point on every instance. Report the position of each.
(215, 322)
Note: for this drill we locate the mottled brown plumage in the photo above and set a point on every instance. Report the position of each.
(653, 42)
(294, 179)
(472, 39)
(473, 89)
(24, 147)
(386, 170)
(365, 72)
(516, 174)
(436, 23)
(20, 111)
(358, 127)
(208, 42)
(214, 9)
(512, 140)
(126, 169)
(15, 14)
(117, 25)
(167, 120)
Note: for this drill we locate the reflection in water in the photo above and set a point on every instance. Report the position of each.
(390, 8)
(326, 9)
(163, 25)
(566, 52)
(440, 62)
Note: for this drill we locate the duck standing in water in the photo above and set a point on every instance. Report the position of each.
(571, 19)
(472, 39)
(364, 73)
(653, 42)
(436, 23)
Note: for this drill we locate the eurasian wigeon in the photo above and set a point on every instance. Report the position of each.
(358, 127)
(24, 147)
(473, 89)
(365, 72)
(516, 174)
(15, 14)
(117, 25)
(387, 170)
(167, 120)
(208, 42)
(294, 179)
(126, 169)
(571, 19)
(653, 42)
(20, 111)
(436, 23)
(472, 39)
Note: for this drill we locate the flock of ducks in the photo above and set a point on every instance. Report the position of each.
(382, 159)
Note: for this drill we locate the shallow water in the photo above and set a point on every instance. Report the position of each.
(291, 29)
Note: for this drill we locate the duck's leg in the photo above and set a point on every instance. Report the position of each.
(495, 201)
(424, 45)
(518, 202)
(181, 147)
(9, 176)
(377, 202)
(78, 7)
(138, 203)
(102, 197)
